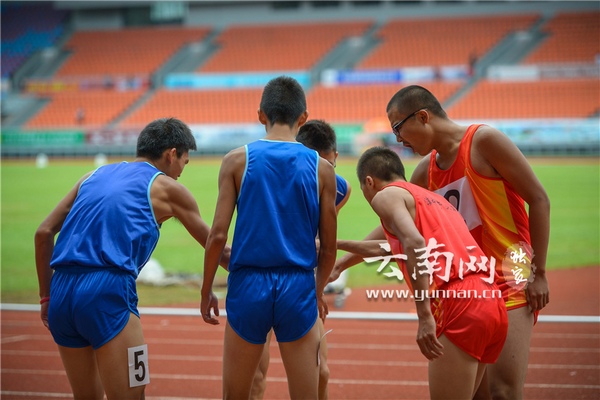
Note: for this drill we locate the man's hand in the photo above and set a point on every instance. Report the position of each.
(335, 272)
(427, 339)
(44, 314)
(538, 294)
(208, 303)
(322, 305)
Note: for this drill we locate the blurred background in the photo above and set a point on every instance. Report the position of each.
(81, 78)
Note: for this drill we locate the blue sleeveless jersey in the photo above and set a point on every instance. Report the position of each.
(342, 189)
(111, 223)
(277, 207)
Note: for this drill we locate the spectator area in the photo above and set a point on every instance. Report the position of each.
(99, 108)
(289, 47)
(441, 41)
(360, 103)
(572, 37)
(571, 98)
(27, 28)
(199, 107)
(347, 104)
(134, 51)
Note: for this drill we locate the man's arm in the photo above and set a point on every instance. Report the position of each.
(172, 199)
(350, 259)
(420, 175)
(217, 237)
(327, 231)
(396, 208)
(500, 153)
(364, 248)
(44, 243)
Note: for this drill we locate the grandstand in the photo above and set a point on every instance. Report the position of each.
(90, 66)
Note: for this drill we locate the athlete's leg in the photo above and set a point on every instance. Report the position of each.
(240, 362)
(259, 385)
(300, 362)
(82, 371)
(507, 376)
(113, 362)
(482, 392)
(479, 378)
(453, 375)
(323, 368)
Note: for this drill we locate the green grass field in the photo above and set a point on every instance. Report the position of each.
(29, 194)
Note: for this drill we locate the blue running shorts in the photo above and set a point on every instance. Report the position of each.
(259, 299)
(90, 306)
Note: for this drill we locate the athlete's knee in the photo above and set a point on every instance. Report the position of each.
(482, 392)
(323, 373)
(133, 394)
(259, 383)
(87, 395)
(506, 391)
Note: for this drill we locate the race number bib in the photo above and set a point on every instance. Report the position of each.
(459, 194)
(138, 366)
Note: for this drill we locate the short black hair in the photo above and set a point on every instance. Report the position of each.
(318, 135)
(414, 98)
(163, 134)
(283, 101)
(381, 163)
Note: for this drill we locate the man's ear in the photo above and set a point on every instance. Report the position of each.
(262, 117)
(424, 116)
(303, 118)
(171, 155)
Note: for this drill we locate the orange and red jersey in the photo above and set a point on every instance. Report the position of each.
(492, 209)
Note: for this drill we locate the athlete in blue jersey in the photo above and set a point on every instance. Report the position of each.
(320, 136)
(285, 195)
(109, 225)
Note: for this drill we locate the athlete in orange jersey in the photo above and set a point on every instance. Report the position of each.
(493, 210)
(488, 179)
(462, 317)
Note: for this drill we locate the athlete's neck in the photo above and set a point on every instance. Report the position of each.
(281, 133)
(146, 160)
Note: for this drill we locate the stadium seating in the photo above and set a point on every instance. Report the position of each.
(27, 28)
(289, 47)
(99, 107)
(107, 54)
(199, 107)
(425, 42)
(566, 98)
(134, 51)
(360, 103)
(441, 41)
(573, 37)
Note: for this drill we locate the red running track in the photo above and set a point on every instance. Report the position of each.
(368, 359)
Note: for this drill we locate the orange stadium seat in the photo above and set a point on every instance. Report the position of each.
(199, 107)
(441, 41)
(360, 103)
(290, 47)
(346, 104)
(100, 108)
(137, 51)
(571, 98)
(573, 37)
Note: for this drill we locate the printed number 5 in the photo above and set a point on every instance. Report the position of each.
(138, 365)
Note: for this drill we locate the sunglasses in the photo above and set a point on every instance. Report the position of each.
(396, 128)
